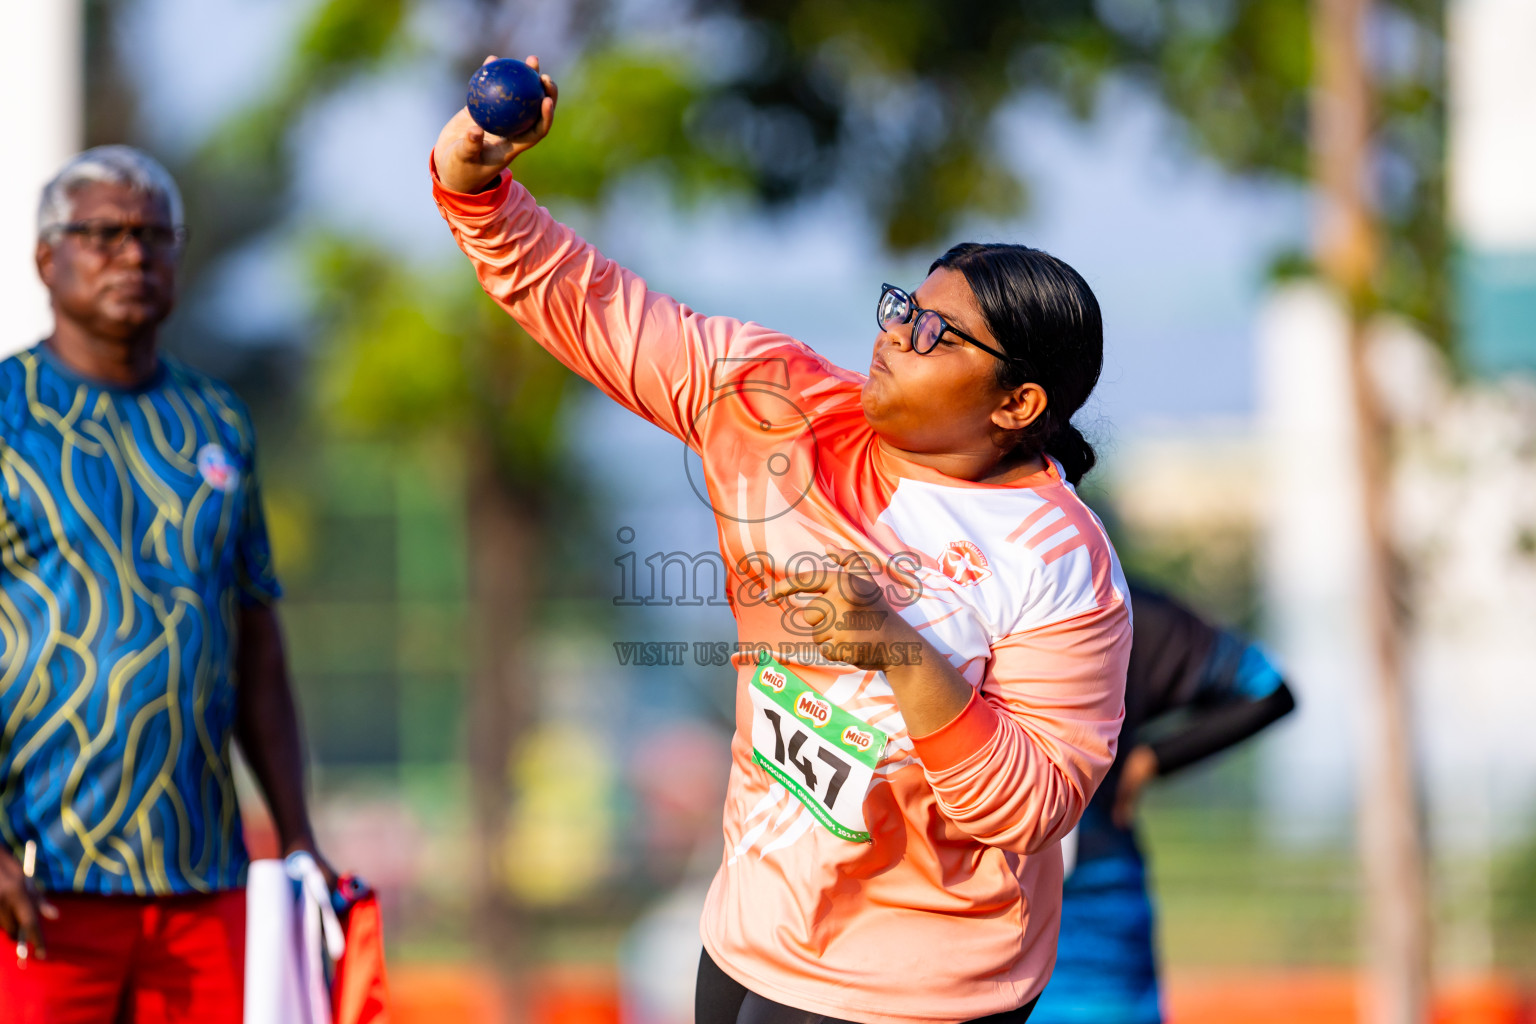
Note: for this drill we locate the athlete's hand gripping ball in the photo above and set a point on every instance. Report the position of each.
(505, 97)
(469, 158)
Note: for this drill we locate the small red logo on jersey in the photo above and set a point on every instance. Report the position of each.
(775, 680)
(964, 563)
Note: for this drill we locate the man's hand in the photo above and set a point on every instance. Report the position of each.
(469, 158)
(1139, 769)
(22, 908)
(307, 845)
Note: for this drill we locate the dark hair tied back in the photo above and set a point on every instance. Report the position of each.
(1047, 320)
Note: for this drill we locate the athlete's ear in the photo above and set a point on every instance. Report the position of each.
(1020, 407)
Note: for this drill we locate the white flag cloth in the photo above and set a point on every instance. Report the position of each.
(1069, 852)
(292, 937)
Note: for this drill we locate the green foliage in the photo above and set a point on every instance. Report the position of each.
(392, 366)
(344, 35)
(1226, 897)
(626, 111)
(1237, 71)
(406, 352)
(341, 38)
(898, 99)
(1221, 77)
(409, 354)
(1514, 901)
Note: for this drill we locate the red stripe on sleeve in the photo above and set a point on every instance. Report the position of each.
(968, 732)
(470, 204)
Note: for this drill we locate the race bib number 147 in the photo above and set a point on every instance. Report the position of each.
(813, 748)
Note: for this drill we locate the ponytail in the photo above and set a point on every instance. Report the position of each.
(1068, 446)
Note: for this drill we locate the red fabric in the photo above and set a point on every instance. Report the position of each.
(960, 737)
(161, 960)
(360, 994)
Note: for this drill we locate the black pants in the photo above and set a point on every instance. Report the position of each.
(721, 999)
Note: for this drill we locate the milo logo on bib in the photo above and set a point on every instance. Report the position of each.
(822, 754)
(814, 710)
(858, 739)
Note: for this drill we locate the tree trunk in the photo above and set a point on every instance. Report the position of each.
(505, 544)
(1390, 827)
(1390, 830)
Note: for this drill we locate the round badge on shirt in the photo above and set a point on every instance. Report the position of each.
(214, 464)
(963, 562)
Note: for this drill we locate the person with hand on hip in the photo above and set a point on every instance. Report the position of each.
(1193, 690)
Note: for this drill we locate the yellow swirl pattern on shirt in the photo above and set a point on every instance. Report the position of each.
(128, 523)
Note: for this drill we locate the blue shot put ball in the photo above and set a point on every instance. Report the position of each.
(505, 97)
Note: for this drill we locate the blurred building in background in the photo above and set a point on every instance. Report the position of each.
(1311, 564)
(1492, 165)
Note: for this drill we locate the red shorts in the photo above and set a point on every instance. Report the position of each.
(132, 960)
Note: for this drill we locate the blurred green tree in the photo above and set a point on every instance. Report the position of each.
(405, 352)
(405, 355)
(898, 99)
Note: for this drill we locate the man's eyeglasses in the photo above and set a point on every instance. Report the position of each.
(109, 237)
(928, 327)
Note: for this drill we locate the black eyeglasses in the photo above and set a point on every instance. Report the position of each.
(109, 236)
(928, 327)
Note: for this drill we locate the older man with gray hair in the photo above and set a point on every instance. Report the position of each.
(136, 614)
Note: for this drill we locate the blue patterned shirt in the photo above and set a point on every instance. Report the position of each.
(131, 530)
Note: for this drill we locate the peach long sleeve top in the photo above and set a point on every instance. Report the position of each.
(868, 874)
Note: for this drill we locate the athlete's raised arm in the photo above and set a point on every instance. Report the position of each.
(644, 349)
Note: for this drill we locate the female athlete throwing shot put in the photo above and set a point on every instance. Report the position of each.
(935, 628)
